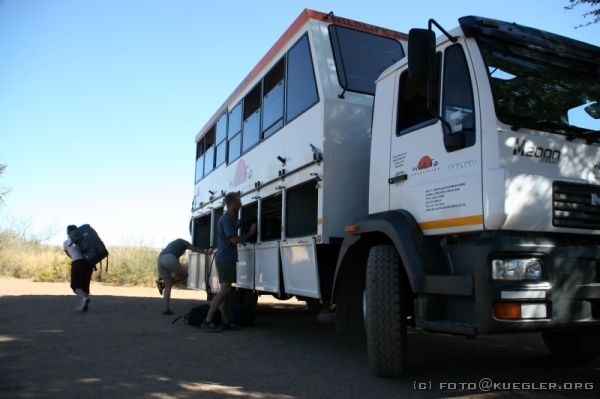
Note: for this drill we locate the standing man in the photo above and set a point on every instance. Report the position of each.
(170, 270)
(81, 271)
(227, 256)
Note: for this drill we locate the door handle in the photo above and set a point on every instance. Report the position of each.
(398, 178)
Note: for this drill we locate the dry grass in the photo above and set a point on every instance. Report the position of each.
(26, 258)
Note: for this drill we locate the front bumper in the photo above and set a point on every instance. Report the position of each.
(566, 297)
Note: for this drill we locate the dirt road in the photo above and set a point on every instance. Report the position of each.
(124, 348)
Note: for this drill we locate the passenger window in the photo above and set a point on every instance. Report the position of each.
(251, 132)
(221, 140)
(273, 99)
(235, 146)
(301, 90)
(458, 105)
(412, 102)
(199, 160)
(209, 154)
(234, 132)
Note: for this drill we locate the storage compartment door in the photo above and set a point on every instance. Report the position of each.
(300, 269)
(193, 270)
(245, 267)
(266, 275)
(202, 259)
(213, 277)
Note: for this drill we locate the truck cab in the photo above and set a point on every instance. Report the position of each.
(484, 194)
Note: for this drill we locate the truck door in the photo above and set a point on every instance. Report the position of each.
(435, 166)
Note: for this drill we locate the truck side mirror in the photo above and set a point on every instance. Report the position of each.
(421, 54)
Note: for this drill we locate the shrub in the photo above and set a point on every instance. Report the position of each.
(26, 258)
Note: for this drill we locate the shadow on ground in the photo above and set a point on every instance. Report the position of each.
(124, 348)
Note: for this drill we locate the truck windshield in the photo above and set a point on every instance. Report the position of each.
(542, 90)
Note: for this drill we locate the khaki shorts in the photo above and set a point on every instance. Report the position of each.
(169, 264)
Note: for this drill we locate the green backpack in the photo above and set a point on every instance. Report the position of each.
(90, 244)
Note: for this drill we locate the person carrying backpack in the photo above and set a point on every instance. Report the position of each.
(81, 271)
(170, 270)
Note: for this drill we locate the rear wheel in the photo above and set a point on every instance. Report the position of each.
(579, 347)
(385, 312)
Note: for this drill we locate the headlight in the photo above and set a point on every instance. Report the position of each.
(516, 269)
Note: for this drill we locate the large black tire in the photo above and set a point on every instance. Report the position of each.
(385, 312)
(575, 347)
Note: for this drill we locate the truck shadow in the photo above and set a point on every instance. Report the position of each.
(125, 348)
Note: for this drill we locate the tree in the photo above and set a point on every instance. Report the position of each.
(594, 13)
(3, 190)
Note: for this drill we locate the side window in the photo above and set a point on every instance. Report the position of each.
(413, 112)
(199, 160)
(209, 154)
(301, 90)
(360, 57)
(234, 132)
(273, 99)
(457, 105)
(251, 130)
(221, 141)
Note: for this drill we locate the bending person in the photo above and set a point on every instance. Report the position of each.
(170, 270)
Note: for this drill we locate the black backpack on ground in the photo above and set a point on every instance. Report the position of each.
(90, 244)
(240, 315)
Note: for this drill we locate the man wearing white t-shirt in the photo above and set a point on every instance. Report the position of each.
(81, 271)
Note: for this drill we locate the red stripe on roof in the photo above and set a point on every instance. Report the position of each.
(298, 23)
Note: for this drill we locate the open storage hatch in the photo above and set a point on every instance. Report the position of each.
(197, 271)
(298, 252)
(300, 268)
(197, 262)
(267, 267)
(267, 270)
(302, 210)
(245, 264)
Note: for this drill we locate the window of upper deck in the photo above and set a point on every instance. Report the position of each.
(301, 88)
(234, 132)
(199, 159)
(273, 99)
(221, 141)
(251, 129)
(360, 57)
(209, 153)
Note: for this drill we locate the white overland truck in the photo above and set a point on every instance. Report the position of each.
(451, 185)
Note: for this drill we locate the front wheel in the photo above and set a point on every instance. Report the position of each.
(577, 347)
(385, 312)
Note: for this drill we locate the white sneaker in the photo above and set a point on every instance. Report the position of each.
(83, 306)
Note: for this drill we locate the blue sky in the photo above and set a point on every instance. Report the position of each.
(100, 100)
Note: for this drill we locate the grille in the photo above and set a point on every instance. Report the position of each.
(575, 205)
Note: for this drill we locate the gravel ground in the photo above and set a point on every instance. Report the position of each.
(125, 348)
